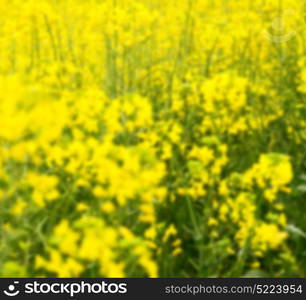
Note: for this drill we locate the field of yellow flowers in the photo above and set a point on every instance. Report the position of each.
(152, 138)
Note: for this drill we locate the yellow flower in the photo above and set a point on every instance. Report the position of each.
(150, 233)
(108, 207)
(268, 236)
(255, 265)
(82, 207)
(171, 231)
(19, 207)
(212, 222)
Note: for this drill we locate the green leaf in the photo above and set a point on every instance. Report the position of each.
(296, 231)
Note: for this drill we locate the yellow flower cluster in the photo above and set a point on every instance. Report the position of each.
(152, 138)
(252, 202)
(91, 244)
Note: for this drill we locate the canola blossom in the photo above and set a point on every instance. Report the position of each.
(152, 138)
